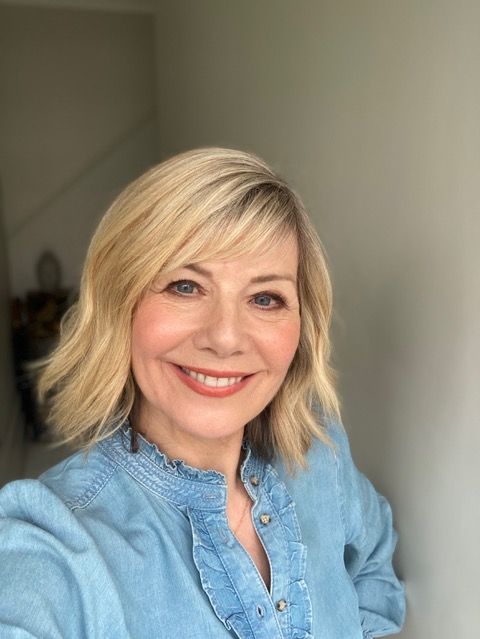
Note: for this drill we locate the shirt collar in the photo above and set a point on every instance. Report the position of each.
(173, 479)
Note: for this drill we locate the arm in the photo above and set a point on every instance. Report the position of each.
(369, 544)
(53, 581)
(35, 589)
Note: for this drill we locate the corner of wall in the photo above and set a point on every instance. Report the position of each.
(12, 445)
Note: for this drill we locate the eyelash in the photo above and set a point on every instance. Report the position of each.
(281, 302)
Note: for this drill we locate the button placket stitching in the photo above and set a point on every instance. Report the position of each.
(256, 495)
(239, 598)
(288, 620)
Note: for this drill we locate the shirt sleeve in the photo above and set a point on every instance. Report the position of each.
(33, 583)
(370, 541)
(50, 573)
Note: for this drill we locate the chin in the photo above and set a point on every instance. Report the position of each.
(213, 432)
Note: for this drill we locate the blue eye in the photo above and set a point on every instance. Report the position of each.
(263, 300)
(183, 287)
(269, 301)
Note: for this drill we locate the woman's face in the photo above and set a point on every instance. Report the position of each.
(212, 343)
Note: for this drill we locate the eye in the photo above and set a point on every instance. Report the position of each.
(269, 300)
(183, 287)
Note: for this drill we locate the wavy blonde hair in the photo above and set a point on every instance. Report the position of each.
(204, 204)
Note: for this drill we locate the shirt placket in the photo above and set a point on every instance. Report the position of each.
(270, 531)
(231, 580)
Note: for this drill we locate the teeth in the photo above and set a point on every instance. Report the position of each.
(212, 382)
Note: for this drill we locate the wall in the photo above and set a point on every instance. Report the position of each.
(77, 122)
(370, 109)
(11, 424)
(117, 6)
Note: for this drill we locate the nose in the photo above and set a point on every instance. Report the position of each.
(222, 330)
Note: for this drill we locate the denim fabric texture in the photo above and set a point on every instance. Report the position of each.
(133, 545)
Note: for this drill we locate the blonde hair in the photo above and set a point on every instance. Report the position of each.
(204, 204)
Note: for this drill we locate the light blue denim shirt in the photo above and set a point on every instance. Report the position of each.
(131, 545)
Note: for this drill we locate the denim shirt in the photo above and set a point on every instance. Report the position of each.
(132, 545)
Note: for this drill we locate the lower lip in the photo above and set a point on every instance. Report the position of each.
(209, 391)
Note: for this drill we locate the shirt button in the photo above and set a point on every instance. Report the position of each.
(265, 519)
(281, 605)
(254, 480)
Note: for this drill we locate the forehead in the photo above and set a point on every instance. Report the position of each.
(274, 257)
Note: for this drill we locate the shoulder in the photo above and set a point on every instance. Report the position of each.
(336, 445)
(50, 503)
(52, 571)
(323, 459)
(79, 479)
(72, 483)
(327, 455)
(330, 476)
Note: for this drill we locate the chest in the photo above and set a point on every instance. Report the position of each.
(182, 571)
(193, 578)
(249, 539)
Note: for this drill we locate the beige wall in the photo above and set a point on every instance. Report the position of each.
(371, 109)
(77, 122)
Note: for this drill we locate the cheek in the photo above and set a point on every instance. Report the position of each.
(283, 344)
(142, 336)
(156, 331)
(140, 349)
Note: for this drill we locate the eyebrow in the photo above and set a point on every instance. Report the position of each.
(258, 279)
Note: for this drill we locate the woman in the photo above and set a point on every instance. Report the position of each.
(217, 496)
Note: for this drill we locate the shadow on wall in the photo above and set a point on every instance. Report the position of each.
(11, 422)
(66, 221)
(78, 121)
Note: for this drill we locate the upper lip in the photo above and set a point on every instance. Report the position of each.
(215, 373)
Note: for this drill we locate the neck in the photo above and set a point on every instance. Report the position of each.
(223, 455)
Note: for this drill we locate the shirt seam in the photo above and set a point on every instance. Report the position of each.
(174, 475)
(340, 495)
(145, 483)
(170, 475)
(91, 493)
(151, 490)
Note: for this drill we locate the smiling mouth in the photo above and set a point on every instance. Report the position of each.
(210, 381)
(213, 383)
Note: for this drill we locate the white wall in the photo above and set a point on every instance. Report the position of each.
(371, 109)
(77, 122)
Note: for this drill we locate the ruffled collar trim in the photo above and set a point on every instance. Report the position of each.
(173, 478)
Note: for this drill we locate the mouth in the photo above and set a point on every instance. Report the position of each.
(212, 383)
